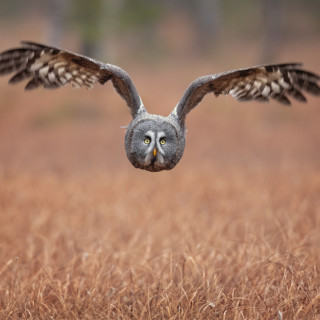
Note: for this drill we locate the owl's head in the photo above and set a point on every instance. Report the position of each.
(154, 143)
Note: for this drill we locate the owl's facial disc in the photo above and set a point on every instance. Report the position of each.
(154, 144)
(155, 152)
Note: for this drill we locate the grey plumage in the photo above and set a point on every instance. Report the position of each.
(155, 155)
(154, 142)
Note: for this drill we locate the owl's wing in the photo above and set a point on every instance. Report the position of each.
(53, 68)
(257, 83)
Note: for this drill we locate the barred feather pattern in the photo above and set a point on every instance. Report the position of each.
(261, 83)
(51, 67)
(276, 82)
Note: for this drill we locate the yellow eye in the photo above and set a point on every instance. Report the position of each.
(146, 140)
(162, 141)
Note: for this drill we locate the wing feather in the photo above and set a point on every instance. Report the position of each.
(261, 83)
(51, 67)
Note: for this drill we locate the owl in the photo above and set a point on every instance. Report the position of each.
(154, 142)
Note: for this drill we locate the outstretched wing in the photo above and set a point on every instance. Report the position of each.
(53, 68)
(260, 83)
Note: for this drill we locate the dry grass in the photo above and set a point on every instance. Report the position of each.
(233, 232)
(236, 247)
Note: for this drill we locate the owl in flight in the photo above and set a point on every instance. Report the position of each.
(154, 142)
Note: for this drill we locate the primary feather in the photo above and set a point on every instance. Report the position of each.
(51, 67)
(261, 83)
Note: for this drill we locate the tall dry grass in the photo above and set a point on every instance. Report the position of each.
(235, 247)
(233, 232)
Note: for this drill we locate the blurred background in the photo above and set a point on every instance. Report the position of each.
(156, 29)
(153, 29)
(163, 45)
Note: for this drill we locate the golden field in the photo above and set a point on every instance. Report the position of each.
(233, 232)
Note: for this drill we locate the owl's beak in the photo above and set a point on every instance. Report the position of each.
(154, 152)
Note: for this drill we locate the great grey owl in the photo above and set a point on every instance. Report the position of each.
(154, 142)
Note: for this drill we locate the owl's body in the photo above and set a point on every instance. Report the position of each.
(154, 142)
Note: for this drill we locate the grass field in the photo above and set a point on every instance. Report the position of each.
(233, 232)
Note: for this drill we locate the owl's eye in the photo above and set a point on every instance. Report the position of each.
(147, 140)
(162, 141)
